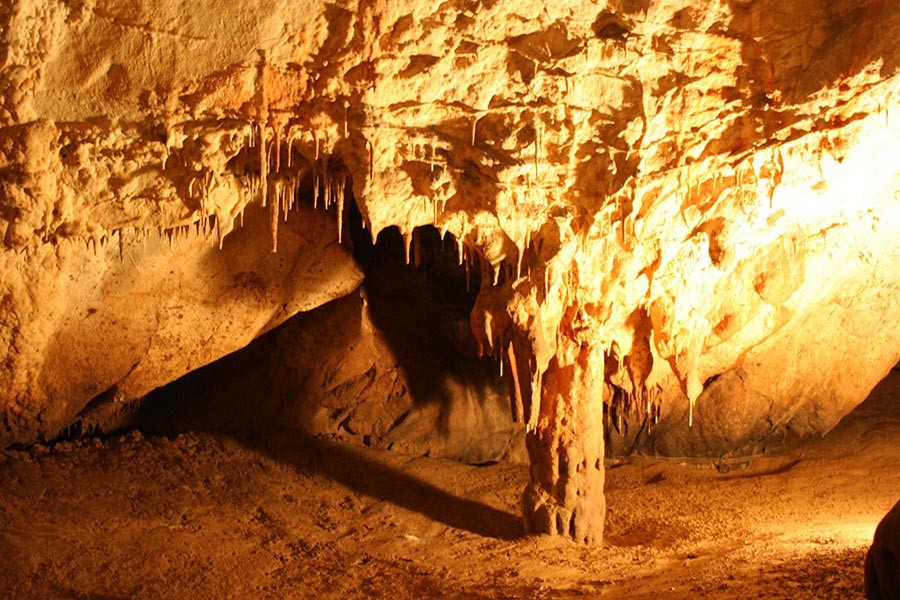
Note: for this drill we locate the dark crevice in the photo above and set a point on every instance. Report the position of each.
(423, 309)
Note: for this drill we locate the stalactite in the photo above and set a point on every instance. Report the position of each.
(407, 245)
(535, 404)
(619, 423)
(263, 165)
(519, 407)
(519, 257)
(326, 184)
(315, 188)
(346, 119)
(276, 144)
(340, 212)
(290, 146)
(489, 333)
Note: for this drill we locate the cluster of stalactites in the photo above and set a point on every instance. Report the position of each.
(268, 166)
(282, 169)
(636, 399)
(628, 397)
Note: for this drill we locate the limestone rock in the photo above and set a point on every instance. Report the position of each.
(705, 193)
(111, 323)
(332, 372)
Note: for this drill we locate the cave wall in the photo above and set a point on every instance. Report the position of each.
(95, 328)
(331, 372)
(704, 193)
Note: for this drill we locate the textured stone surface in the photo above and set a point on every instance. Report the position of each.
(337, 372)
(85, 324)
(706, 193)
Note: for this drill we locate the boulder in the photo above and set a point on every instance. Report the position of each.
(883, 559)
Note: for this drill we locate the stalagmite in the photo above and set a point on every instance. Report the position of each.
(566, 446)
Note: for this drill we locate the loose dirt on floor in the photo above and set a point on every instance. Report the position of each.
(204, 515)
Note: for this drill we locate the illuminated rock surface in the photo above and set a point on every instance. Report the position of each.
(693, 209)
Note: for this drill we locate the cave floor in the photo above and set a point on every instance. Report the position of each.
(203, 515)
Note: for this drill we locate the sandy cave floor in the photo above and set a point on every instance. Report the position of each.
(206, 516)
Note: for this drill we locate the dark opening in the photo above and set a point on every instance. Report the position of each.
(423, 308)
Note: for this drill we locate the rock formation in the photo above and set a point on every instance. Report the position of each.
(883, 559)
(689, 214)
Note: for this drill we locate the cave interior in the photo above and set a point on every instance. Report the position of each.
(477, 300)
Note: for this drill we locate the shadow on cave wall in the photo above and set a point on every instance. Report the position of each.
(262, 396)
(421, 314)
(422, 311)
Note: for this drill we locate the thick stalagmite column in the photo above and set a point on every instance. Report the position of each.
(565, 494)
